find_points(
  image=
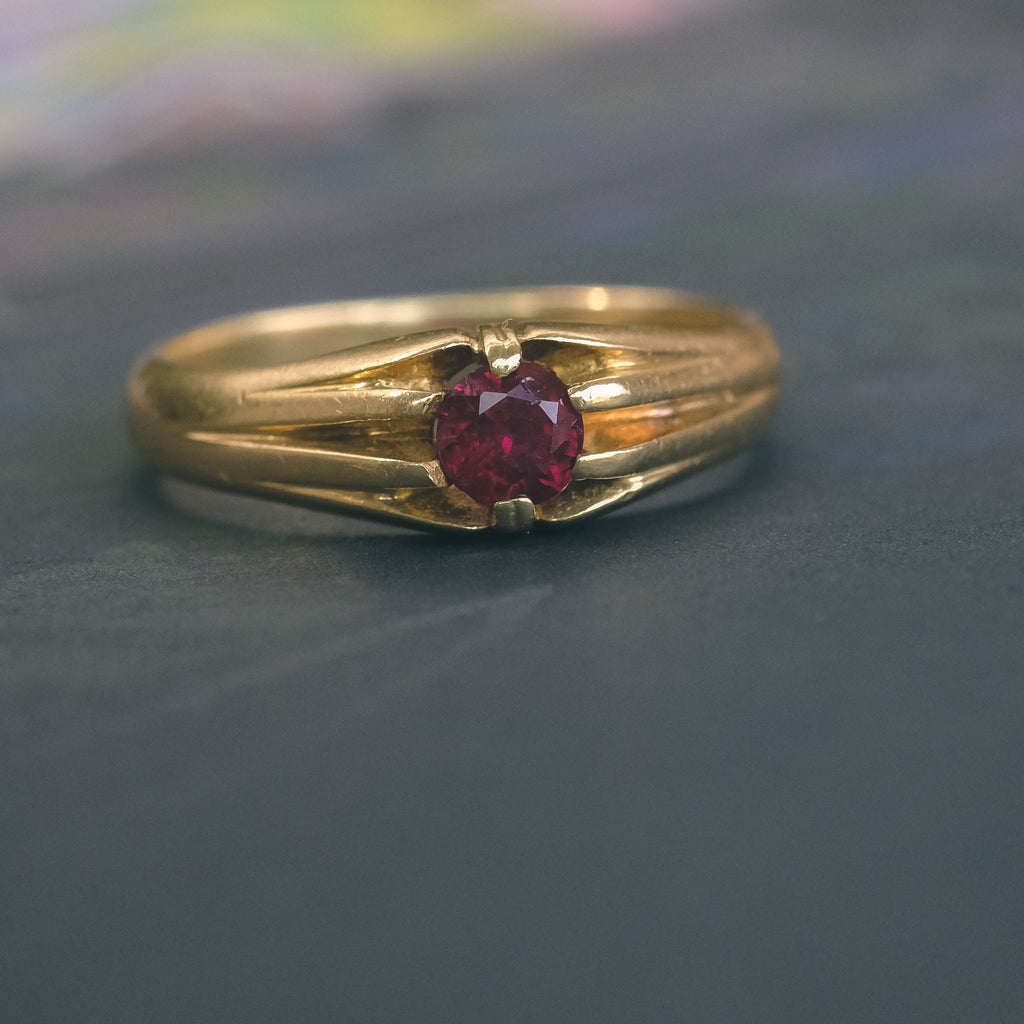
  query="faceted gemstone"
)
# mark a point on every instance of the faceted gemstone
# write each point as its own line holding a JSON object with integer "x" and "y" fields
{"x": 508, "y": 437}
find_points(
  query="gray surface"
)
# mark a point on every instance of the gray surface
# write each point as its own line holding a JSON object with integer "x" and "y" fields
{"x": 755, "y": 756}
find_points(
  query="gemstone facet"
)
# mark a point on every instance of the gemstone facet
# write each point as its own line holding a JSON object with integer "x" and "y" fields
{"x": 508, "y": 437}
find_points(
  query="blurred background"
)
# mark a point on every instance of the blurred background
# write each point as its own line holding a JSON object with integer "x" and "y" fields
{"x": 751, "y": 753}
{"x": 360, "y": 110}
{"x": 559, "y": 130}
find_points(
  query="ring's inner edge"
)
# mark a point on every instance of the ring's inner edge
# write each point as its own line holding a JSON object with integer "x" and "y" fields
{"x": 289, "y": 335}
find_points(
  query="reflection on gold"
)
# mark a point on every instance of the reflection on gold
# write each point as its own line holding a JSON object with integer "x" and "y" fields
{"x": 614, "y": 429}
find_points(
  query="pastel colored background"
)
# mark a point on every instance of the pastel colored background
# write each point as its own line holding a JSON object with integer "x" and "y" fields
{"x": 88, "y": 87}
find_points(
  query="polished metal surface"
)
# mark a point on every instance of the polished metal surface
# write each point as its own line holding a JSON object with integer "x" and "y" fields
{"x": 323, "y": 405}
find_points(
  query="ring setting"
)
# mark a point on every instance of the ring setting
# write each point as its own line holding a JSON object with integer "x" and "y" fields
{"x": 462, "y": 412}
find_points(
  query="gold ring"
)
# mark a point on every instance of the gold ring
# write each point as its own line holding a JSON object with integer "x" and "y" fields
{"x": 461, "y": 412}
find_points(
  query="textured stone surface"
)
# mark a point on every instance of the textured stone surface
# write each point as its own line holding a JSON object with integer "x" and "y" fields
{"x": 510, "y": 437}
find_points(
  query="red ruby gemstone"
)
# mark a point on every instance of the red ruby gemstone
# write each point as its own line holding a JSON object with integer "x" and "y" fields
{"x": 508, "y": 437}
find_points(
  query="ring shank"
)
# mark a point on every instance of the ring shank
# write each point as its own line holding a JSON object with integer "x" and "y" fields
{"x": 297, "y": 333}
{"x": 332, "y": 403}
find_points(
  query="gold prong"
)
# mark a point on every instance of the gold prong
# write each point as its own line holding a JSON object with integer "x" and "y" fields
{"x": 516, "y": 515}
{"x": 501, "y": 347}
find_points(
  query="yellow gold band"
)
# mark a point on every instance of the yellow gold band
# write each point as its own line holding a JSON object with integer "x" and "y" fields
{"x": 334, "y": 405}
